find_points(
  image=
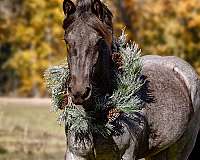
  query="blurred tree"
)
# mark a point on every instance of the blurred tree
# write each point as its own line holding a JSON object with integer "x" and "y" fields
{"x": 166, "y": 27}
{"x": 31, "y": 36}
{"x": 8, "y": 11}
{"x": 34, "y": 31}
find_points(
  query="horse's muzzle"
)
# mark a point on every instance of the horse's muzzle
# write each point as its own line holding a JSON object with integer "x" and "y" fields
{"x": 80, "y": 96}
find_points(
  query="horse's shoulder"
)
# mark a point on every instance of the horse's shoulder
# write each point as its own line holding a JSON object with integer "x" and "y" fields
{"x": 180, "y": 67}
{"x": 172, "y": 104}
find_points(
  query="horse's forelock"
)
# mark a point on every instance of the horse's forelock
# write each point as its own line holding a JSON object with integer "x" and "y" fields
{"x": 91, "y": 6}
{"x": 85, "y": 13}
{"x": 84, "y": 5}
{"x": 105, "y": 31}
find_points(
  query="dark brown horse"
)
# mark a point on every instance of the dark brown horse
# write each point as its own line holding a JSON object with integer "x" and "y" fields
{"x": 167, "y": 126}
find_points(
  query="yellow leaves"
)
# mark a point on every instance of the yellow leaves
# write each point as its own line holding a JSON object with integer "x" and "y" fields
{"x": 44, "y": 49}
{"x": 198, "y": 69}
{"x": 165, "y": 27}
{"x": 24, "y": 35}
{"x": 37, "y": 21}
{"x": 195, "y": 22}
{"x": 186, "y": 6}
{"x": 36, "y": 4}
{"x": 21, "y": 61}
{"x": 35, "y": 36}
{"x": 29, "y": 66}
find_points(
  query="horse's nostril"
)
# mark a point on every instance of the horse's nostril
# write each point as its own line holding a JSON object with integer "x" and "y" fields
{"x": 87, "y": 93}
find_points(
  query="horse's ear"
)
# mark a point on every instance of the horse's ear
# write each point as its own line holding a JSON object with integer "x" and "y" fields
{"x": 97, "y": 8}
{"x": 107, "y": 16}
{"x": 102, "y": 12}
{"x": 68, "y": 7}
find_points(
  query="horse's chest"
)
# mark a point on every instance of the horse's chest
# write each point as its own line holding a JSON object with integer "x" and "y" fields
{"x": 105, "y": 151}
{"x": 111, "y": 148}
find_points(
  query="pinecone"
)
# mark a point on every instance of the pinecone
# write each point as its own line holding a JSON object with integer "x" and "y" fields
{"x": 118, "y": 60}
{"x": 64, "y": 102}
{"x": 113, "y": 114}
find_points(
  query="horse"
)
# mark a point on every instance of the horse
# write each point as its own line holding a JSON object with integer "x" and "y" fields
{"x": 168, "y": 123}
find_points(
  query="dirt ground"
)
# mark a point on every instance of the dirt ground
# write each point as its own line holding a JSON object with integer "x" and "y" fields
{"x": 28, "y": 102}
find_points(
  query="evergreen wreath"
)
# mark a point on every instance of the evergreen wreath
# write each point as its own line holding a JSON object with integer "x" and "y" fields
{"x": 124, "y": 98}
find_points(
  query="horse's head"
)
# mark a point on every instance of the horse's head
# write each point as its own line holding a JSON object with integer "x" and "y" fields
{"x": 88, "y": 34}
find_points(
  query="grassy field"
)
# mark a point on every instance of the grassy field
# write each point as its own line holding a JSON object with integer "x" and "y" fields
{"x": 30, "y": 132}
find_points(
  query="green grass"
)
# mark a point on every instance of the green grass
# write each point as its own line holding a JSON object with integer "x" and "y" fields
{"x": 30, "y": 133}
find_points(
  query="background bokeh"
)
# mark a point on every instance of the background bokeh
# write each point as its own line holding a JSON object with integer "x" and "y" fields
{"x": 31, "y": 36}
{"x": 31, "y": 39}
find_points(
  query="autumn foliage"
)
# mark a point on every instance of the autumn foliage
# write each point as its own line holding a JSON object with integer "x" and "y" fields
{"x": 166, "y": 27}
{"x": 31, "y": 36}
